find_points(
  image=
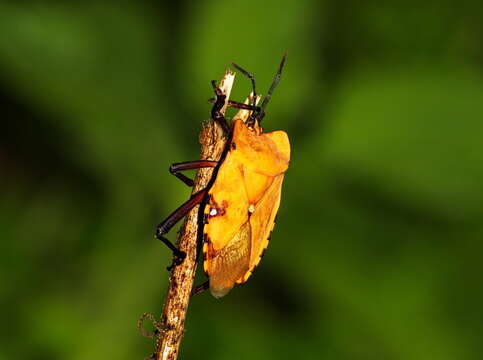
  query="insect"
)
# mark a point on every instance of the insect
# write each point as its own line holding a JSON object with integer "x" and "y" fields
{"x": 243, "y": 197}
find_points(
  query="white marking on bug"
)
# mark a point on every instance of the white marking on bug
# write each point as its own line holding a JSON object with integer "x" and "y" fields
{"x": 251, "y": 208}
{"x": 213, "y": 212}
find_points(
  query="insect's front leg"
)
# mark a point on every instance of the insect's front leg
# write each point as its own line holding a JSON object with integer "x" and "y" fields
{"x": 189, "y": 165}
{"x": 216, "y": 113}
{"x": 166, "y": 225}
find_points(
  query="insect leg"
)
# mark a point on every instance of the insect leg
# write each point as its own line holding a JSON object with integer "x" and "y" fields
{"x": 216, "y": 113}
{"x": 199, "y": 289}
{"x": 166, "y": 225}
{"x": 188, "y": 165}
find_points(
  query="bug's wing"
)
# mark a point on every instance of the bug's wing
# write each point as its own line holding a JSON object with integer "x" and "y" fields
{"x": 242, "y": 205}
{"x": 227, "y": 230}
{"x": 228, "y": 201}
{"x": 262, "y": 222}
{"x": 230, "y": 263}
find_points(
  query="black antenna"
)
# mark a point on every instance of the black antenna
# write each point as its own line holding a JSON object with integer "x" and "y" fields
{"x": 259, "y": 112}
{"x": 252, "y": 78}
{"x": 275, "y": 82}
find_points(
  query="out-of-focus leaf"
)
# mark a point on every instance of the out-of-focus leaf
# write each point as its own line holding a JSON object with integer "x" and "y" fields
{"x": 414, "y": 134}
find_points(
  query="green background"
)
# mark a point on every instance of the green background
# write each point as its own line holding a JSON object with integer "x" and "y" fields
{"x": 377, "y": 252}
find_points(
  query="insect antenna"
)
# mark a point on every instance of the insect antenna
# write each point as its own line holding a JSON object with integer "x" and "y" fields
{"x": 275, "y": 82}
{"x": 259, "y": 112}
{"x": 255, "y": 112}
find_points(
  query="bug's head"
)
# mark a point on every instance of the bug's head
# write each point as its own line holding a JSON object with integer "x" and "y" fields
{"x": 256, "y": 117}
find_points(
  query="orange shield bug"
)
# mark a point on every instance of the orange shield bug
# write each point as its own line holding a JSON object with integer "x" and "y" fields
{"x": 243, "y": 197}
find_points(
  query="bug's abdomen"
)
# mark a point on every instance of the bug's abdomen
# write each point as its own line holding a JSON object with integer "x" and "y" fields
{"x": 230, "y": 263}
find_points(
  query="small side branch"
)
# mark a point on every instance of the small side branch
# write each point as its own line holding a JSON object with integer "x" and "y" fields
{"x": 181, "y": 280}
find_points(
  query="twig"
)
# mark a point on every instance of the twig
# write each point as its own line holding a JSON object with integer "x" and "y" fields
{"x": 182, "y": 276}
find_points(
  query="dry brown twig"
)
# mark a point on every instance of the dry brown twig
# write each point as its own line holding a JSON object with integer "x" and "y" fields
{"x": 171, "y": 325}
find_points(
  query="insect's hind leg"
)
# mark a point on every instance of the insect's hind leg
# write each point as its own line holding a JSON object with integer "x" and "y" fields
{"x": 166, "y": 225}
{"x": 201, "y": 288}
{"x": 189, "y": 165}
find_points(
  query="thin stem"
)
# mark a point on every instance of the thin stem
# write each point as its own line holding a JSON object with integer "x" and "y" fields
{"x": 181, "y": 280}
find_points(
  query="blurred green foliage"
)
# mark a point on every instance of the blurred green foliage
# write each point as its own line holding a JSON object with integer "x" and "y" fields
{"x": 377, "y": 253}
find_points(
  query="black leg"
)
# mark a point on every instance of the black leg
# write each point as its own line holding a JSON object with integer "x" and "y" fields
{"x": 166, "y": 225}
{"x": 199, "y": 289}
{"x": 189, "y": 165}
{"x": 216, "y": 114}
